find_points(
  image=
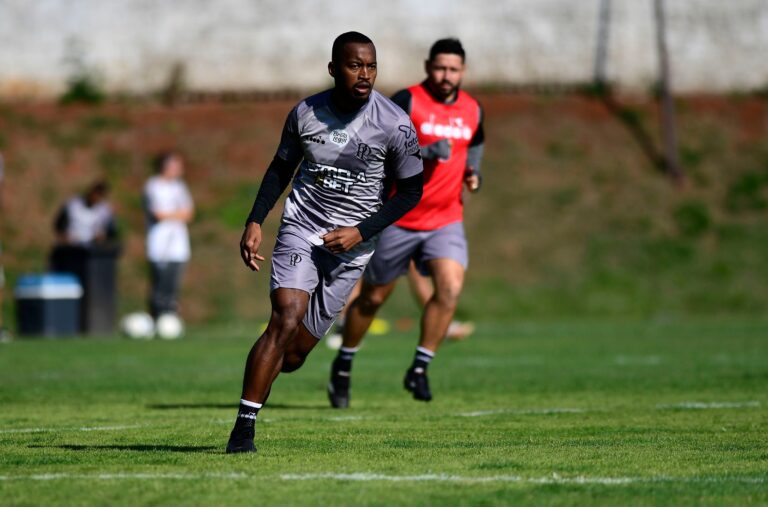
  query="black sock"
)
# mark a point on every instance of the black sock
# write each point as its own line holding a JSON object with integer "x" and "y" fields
{"x": 343, "y": 362}
{"x": 246, "y": 416}
{"x": 342, "y": 366}
{"x": 422, "y": 359}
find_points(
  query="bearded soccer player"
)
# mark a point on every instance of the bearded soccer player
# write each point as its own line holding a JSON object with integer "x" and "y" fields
{"x": 449, "y": 126}
{"x": 347, "y": 141}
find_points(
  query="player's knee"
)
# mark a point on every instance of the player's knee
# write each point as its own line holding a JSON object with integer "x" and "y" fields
{"x": 448, "y": 294}
{"x": 289, "y": 325}
{"x": 285, "y": 323}
{"x": 280, "y": 332}
{"x": 369, "y": 304}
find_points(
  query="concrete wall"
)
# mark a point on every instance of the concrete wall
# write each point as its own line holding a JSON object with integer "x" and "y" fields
{"x": 267, "y": 45}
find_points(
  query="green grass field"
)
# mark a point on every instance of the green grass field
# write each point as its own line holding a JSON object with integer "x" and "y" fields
{"x": 586, "y": 412}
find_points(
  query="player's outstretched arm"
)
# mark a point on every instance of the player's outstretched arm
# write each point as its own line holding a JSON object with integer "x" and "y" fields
{"x": 275, "y": 181}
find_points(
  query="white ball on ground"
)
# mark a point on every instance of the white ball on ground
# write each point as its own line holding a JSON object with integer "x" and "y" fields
{"x": 138, "y": 325}
{"x": 169, "y": 326}
{"x": 333, "y": 341}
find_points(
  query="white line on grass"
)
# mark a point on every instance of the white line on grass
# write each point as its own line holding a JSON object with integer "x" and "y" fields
{"x": 85, "y": 428}
{"x": 373, "y": 477}
{"x": 698, "y": 405}
{"x": 122, "y": 476}
{"x": 110, "y": 428}
{"x": 530, "y": 411}
{"x": 553, "y": 479}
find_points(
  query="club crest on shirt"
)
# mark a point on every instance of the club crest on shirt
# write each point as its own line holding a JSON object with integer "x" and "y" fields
{"x": 339, "y": 137}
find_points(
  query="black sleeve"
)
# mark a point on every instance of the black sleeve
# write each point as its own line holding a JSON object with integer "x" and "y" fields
{"x": 407, "y": 196}
{"x": 275, "y": 181}
{"x": 476, "y": 146}
{"x": 403, "y": 99}
{"x": 479, "y": 137}
{"x": 61, "y": 223}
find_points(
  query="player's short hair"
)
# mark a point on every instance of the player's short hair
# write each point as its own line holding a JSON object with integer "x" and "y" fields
{"x": 98, "y": 187}
{"x": 450, "y": 46}
{"x": 161, "y": 159}
{"x": 344, "y": 39}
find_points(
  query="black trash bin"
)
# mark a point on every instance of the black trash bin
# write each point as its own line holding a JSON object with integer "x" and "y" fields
{"x": 96, "y": 268}
{"x": 48, "y": 305}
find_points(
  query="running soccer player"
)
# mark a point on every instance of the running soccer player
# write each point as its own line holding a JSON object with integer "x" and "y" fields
{"x": 349, "y": 140}
{"x": 450, "y": 131}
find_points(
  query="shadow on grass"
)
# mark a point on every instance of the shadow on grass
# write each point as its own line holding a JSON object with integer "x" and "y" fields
{"x": 232, "y": 406}
{"x": 131, "y": 447}
{"x": 633, "y": 123}
{"x": 632, "y": 120}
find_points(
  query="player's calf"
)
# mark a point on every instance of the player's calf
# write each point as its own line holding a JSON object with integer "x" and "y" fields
{"x": 292, "y": 362}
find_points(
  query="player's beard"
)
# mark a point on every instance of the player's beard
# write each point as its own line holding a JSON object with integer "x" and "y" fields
{"x": 447, "y": 90}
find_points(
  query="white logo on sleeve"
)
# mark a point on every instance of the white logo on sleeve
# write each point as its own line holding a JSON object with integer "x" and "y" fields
{"x": 339, "y": 137}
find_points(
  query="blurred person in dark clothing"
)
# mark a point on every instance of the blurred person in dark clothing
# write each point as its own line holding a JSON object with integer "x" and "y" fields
{"x": 86, "y": 219}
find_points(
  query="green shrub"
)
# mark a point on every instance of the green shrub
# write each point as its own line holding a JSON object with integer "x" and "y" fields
{"x": 83, "y": 89}
{"x": 747, "y": 193}
{"x": 692, "y": 219}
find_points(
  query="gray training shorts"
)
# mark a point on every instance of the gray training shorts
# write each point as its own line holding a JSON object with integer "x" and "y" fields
{"x": 298, "y": 264}
{"x": 397, "y": 246}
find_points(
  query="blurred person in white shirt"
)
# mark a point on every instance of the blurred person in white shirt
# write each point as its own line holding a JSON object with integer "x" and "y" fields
{"x": 169, "y": 208}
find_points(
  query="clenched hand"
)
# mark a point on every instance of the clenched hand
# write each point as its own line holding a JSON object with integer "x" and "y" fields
{"x": 342, "y": 239}
{"x": 472, "y": 180}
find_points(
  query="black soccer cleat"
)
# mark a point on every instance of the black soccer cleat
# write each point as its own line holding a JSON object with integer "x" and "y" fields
{"x": 418, "y": 384}
{"x": 241, "y": 440}
{"x": 338, "y": 389}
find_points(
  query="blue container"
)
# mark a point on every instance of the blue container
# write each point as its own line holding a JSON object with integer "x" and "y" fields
{"x": 48, "y": 304}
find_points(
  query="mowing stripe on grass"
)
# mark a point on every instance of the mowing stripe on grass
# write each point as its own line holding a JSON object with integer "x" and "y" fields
{"x": 698, "y": 405}
{"x": 373, "y": 477}
{"x": 86, "y": 428}
{"x": 637, "y": 360}
{"x": 530, "y": 411}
